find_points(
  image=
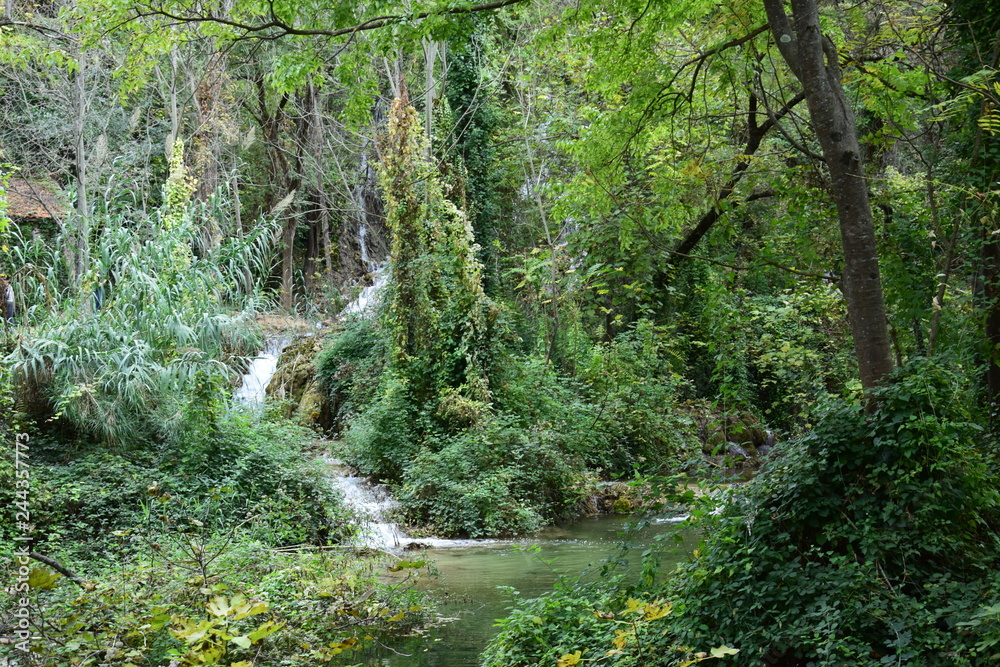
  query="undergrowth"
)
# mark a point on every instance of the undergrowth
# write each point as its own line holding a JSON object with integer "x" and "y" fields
{"x": 461, "y": 466}
{"x": 870, "y": 540}
{"x": 239, "y": 472}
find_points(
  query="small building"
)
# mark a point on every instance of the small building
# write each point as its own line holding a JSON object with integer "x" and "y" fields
{"x": 36, "y": 203}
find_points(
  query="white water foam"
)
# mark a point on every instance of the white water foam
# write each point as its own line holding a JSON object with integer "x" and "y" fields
{"x": 253, "y": 391}
{"x": 368, "y": 297}
{"x": 373, "y": 504}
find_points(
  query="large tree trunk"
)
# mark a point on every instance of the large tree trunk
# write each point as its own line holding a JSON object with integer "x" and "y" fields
{"x": 284, "y": 183}
{"x": 813, "y": 59}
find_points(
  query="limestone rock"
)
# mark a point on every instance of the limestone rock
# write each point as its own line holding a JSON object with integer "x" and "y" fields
{"x": 295, "y": 383}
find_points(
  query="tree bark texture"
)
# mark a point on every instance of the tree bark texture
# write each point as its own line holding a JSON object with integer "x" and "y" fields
{"x": 812, "y": 57}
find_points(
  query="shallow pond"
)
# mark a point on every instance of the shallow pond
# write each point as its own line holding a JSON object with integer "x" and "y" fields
{"x": 473, "y": 579}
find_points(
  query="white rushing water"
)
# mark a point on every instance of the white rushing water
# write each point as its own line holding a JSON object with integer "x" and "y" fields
{"x": 253, "y": 390}
{"x": 374, "y": 506}
{"x": 368, "y": 297}
{"x": 378, "y": 271}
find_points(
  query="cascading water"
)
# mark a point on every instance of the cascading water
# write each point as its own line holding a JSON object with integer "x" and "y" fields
{"x": 366, "y": 217}
{"x": 362, "y": 236}
{"x": 369, "y": 294}
{"x": 372, "y": 503}
{"x": 253, "y": 390}
{"x": 374, "y": 506}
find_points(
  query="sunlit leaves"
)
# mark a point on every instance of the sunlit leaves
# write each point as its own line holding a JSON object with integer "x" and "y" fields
{"x": 39, "y": 577}
{"x": 569, "y": 659}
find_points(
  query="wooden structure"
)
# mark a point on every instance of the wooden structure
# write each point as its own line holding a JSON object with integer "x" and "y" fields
{"x": 35, "y": 201}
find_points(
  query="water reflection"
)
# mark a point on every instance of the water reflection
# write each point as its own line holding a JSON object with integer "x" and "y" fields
{"x": 476, "y": 581}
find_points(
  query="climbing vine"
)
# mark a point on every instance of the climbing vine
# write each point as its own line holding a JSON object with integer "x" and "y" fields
{"x": 438, "y": 317}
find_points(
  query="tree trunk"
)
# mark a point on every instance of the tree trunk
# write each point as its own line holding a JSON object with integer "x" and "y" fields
{"x": 287, "y": 257}
{"x": 813, "y": 59}
{"x": 78, "y": 263}
{"x": 283, "y": 182}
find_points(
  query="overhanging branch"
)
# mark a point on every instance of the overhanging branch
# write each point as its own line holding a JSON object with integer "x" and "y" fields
{"x": 276, "y": 28}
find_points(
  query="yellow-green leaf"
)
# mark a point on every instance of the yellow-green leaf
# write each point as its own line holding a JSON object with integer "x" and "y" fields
{"x": 41, "y": 578}
{"x": 569, "y": 659}
{"x": 266, "y": 629}
{"x": 722, "y": 651}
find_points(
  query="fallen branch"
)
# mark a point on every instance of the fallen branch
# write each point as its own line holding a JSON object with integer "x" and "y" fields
{"x": 66, "y": 572}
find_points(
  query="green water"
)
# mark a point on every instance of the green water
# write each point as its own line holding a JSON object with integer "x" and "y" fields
{"x": 471, "y": 579}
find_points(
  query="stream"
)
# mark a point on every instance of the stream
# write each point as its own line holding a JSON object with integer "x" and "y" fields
{"x": 476, "y": 580}
{"x": 477, "y": 583}
{"x": 253, "y": 388}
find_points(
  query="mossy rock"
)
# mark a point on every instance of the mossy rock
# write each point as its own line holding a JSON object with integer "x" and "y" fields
{"x": 741, "y": 429}
{"x": 313, "y": 408}
{"x": 622, "y": 506}
{"x": 295, "y": 383}
{"x": 620, "y": 498}
{"x": 295, "y": 369}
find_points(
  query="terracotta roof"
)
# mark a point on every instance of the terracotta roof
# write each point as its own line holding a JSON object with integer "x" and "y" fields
{"x": 34, "y": 199}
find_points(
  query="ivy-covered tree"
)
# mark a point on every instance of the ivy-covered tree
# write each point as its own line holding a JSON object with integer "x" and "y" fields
{"x": 438, "y": 316}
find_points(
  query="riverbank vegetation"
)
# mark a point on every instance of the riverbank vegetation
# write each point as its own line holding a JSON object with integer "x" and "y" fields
{"x": 548, "y": 245}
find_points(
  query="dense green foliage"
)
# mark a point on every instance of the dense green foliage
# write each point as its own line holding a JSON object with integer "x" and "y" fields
{"x": 200, "y": 598}
{"x": 527, "y": 457}
{"x": 240, "y": 471}
{"x": 613, "y": 236}
{"x": 870, "y": 540}
{"x": 167, "y": 324}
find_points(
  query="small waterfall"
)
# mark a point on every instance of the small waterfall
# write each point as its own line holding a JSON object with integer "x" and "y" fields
{"x": 365, "y": 259}
{"x": 367, "y": 225}
{"x": 379, "y": 274}
{"x": 253, "y": 390}
{"x": 373, "y": 504}
{"x": 369, "y": 294}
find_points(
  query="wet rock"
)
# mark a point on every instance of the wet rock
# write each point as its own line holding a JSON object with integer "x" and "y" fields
{"x": 739, "y": 434}
{"x": 617, "y": 498}
{"x": 295, "y": 382}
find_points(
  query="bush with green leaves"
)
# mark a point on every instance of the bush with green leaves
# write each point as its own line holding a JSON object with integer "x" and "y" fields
{"x": 779, "y": 353}
{"x": 566, "y": 619}
{"x": 634, "y": 383}
{"x": 242, "y": 472}
{"x": 866, "y": 542}
{"x": 191, "y": 595}
{"x": 350, "y": 367}
{"x": 174, "y": 312}
{"x": 497, "y": 477}
{"x": 516, "y": 463}
{"x": 873, "y": 539}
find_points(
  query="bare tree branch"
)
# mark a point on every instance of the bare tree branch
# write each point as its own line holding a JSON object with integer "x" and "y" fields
{"x": 45, "y": 31}
{"x": 757, "y": 133}
{"x": 275, "y": 28}
{"x": 69, "y": 574}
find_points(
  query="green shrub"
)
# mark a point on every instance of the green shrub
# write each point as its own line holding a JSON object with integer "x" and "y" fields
{"x": 350, "y": 367}
{"x": 873, "y": 539}
{"x": 633, "y": 384}
{"x": 169, "y": 319}
{"x": 562, "y": 621}
{"x": 778, "y": 354}
{"x": 199, "y": 597}
{"x": 867, "y": 542}
{"x": 243, "y": 471}
{"x": 383, "y": 439}
{"x": 466, "y": 467}
{"x": 493, "y": 479}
